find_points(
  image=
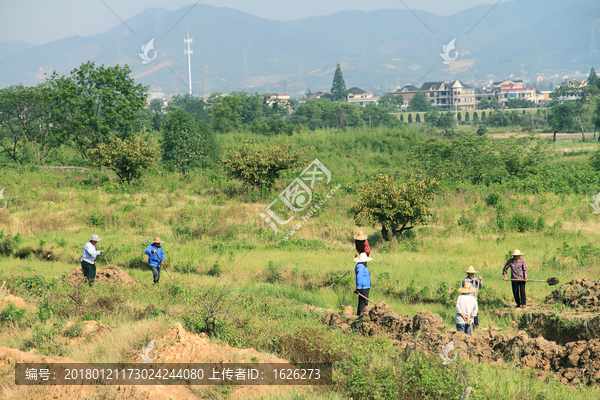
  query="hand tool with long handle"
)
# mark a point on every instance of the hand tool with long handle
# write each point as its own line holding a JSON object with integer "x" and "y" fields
{"x": 366, "y": 298}
{"x": 549, "y": 281}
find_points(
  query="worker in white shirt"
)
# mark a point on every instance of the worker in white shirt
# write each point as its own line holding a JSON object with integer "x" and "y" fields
{"x": 466, "y": 309}
{"x": 88, "y": 260}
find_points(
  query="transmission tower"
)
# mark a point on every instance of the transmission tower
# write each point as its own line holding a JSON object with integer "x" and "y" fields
{"x": 206, "y": 82}
{"x": 189, "y": 54}
{"x": 245, "y": 72}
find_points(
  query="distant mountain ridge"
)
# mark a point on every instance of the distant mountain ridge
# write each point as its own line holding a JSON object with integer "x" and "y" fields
{"x": 523, "y": 38}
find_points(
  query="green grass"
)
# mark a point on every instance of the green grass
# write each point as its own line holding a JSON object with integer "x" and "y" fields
{"x": 207, "y": 220}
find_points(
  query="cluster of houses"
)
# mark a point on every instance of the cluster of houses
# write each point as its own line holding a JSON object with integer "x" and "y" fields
{"x": 450, "y": 95}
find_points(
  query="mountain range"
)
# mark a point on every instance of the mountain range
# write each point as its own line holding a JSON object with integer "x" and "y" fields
{"x": 378, "y": 50}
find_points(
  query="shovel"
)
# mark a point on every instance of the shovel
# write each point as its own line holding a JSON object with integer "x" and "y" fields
{"x": 550, "y": 281}
{"x": 366, "y": 298}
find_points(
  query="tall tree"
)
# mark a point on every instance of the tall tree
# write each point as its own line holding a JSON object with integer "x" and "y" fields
{"x": 95, "y": 103}
{"x": 419, "y": 102}
{"x": 338, "y": 88}
{"x": 592, "y": 78}
{"x": 561, "y": 118}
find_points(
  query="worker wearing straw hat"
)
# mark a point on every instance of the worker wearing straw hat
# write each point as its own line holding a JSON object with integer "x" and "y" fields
{"x": 363, "y": 281}
{"x": 362, "y": 244}
{"x": 518, "y": 270}
{"x": 466, "y": 309}
{"x": 88, "y": 259}
{"x": 477, "y": 283}
{"x": 156, "y": 258}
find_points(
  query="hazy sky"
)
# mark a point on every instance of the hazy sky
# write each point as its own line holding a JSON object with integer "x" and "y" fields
{"x": 41, "y": 21}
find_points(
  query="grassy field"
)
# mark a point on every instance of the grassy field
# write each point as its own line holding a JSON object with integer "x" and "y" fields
{"x": 216, "y": 243}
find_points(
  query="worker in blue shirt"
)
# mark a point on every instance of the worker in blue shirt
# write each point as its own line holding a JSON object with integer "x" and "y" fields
{"x": 363, "y": 280}
{"x": 156, "y": 258}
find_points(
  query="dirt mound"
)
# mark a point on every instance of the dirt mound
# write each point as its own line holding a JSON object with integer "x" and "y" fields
{"x": 17, "y": 301}
{"x": 561, "y": 328}
{"x": 79, "y": 332}
{"x": 179, "y": 346}
{"x": 579, "y": 293}
{"x": 110, "y": 274}
{"x": 572, "y": 363}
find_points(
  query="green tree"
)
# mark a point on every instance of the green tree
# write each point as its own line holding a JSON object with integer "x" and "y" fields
{"x": 157, "y": 113}
{"x": 391, "y": 101}
{"x": 28, "y": 129}
{"x": 258, "y": 166}
{"x": 593, "y": 78}
{"x": 226, "y": 115}
{"x": 410, "y": 118}
{"x": 95, "y": 103}
{"x": 578, "y": 97}
{"x": 446, "y": 121}
{"x": 186, "y": 144}
{"x": 561, "y": 118}
{"x": 459, "y": 116}
{"x": 475, "y": 116}
{"x": 484, "y": 104}
{"x": 128, "y": 158}
{"x": 419, "y": 103}
{"x": 418, "y": 118}
{"x": 494, "y": 104}
{"x": 338, "y": 88}
{"x": 467, "y": 117}
{"x": 394, "y": 206}
{"x": 432, "y": 117}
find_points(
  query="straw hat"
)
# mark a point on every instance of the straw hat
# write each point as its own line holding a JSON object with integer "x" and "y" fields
{"x": 470, "y": 270}
{"x": 360, "y": 236}
{"x": 362, "y": 257}
{"x": 157, "y": 240}
{"x": 467, "y": 288}
{"x": 517, "y": 252}
{"x": 95, "y": 238}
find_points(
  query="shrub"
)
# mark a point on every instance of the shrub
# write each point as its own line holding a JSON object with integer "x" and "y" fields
{"x": 74, "y": 330}
{"x": 128, "y": 158}
{"x": 307, "y": 345}
{"x": 273, "y": 274}
{"x": 12, "y": 314}
{"x": 24, "y": 252}
{"x": 215, "y": 270}
{"x": 522, "y": 223}
{"x": 425, "y": 378}
{"x": 493, "y": 199}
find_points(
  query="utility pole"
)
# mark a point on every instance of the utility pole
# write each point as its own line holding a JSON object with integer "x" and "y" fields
{"x": 245, "y": 72}
{"x": 189, "y": 53}
{"x": 206, "y": 81}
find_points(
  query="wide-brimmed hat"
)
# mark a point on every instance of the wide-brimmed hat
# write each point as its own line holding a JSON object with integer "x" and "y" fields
{"x": 467, "y": 288}
{"x": 157, "y": 240}
{"x": 95, "y": 238}
{"x": 362, "y": 257}
{"x": 517, "y": 252}
{"x": 470, "y": 270}
{"x": 360, "y": 236}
